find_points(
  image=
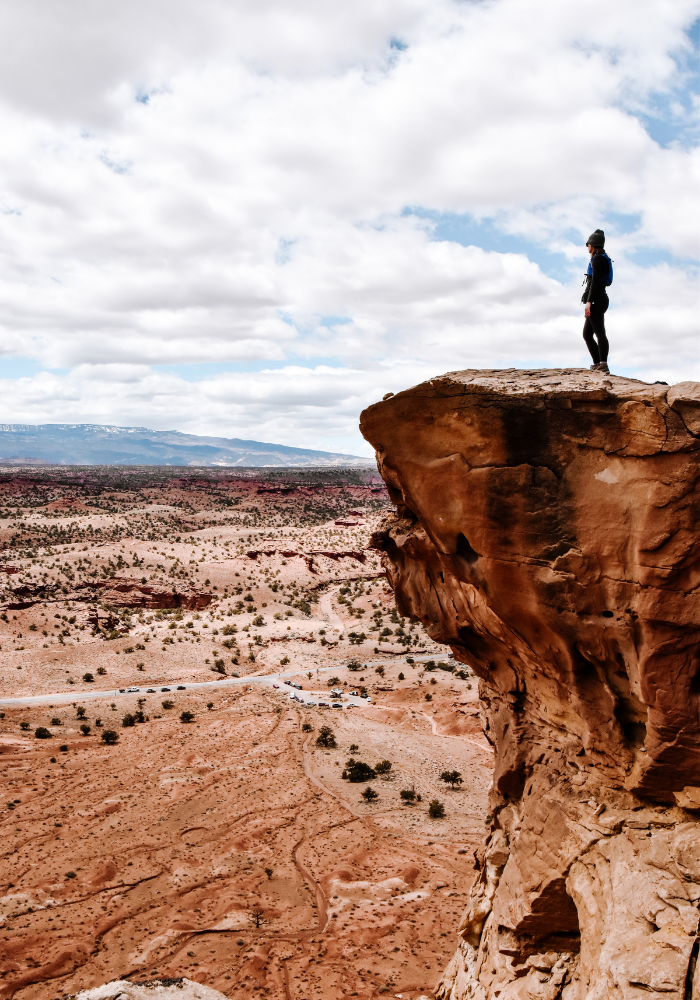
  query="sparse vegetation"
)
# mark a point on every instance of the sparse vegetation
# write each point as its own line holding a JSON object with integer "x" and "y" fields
{"x": 257, "y": 916}
{"x": 326, "y": 738}
{"x": 168, "y": 703}
{"x": 186, "y": 716}
{"x": 369, "y": 794}
{"x": 383, "y": 767}
{"x": 436, "y": 809}
{"x": 307, "y": 728}
{"x": 109, "y": 736}
{"x": 452, "y": 778}
{"x": 42, "y": 733}
{"x": 357, "y": 771}
{"x": 85, "y": 729}
{"x": 408, "y": 795}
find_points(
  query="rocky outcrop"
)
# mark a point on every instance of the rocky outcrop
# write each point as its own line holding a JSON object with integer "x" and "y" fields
{"x": 155, "y": 989}
{"x": 123, "y": 592}
{"x": 547, "y": 530}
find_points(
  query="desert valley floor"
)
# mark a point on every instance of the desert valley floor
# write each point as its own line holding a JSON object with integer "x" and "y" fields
{"x": 217, "y": 839}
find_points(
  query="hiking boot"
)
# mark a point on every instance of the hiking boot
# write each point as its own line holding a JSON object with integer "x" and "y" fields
{"x": 593, "y": 368}
{"x": 603, "y": 367}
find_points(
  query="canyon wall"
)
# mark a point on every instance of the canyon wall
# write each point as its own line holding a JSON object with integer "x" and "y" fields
{"x": 547, "y": 531}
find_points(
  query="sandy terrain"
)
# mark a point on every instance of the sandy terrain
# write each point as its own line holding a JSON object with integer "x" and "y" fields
{"x": 153, "y": 856}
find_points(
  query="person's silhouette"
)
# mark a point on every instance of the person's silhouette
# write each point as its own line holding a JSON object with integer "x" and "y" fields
{"x": 595, "y": 297}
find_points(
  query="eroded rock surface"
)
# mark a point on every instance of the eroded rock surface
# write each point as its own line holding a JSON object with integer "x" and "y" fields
{"x": 123, "y": 592}
{"x": 547, "y": 530}
{"x": 156, "y": 989}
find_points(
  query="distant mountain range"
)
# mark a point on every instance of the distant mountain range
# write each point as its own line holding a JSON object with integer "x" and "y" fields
{"x": 98, "y": 444}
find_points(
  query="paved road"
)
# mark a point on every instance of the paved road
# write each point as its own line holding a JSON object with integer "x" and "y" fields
{"x": 266, "y": 679}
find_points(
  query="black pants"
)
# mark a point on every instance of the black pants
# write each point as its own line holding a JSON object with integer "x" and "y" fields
{"x": 594, "y": 331}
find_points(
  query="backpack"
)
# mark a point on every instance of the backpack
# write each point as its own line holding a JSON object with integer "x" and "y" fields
{"x": 610, "y": 269}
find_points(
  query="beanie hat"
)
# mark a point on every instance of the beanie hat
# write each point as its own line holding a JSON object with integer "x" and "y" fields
{"x": 596, "y": 239}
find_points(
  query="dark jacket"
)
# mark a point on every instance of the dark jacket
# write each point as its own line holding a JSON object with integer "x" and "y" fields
{"x": 597, "y": 279}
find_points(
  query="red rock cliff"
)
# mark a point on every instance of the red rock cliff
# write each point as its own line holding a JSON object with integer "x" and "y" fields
{"x": 547, "y": 530}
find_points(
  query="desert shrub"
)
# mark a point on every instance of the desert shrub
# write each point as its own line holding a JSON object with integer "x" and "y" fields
{"x": 354, "y": 664}
{"x": 80, "y": 712}
{"x": 229, "y": 630}
{"x": 56, "y": 722}
{"x": 128, "y": 720}
{"x": 63, "y": 748}
{"x": 326, "y": 738}
{"x": 428, "y": 697}
{"x": 409, "y": 659}
{"x": 24, "y": 726}
{"x": 369, "y": 794}
{"x": 379, "y": 670}
{"x": 218, "y": 667}
{"x": 408, "y": 795}
{"x": 85, "y": 729}
{"x": 101, "y": 671}
{"x": 88, "y": 678}
{"x": 357, "y": 771}
{"x": 109, "y": 737}
{"x": 333, "y": 682}
{"x": 98, "y": 722}
{"x": 210, "y": 705}
{"x": 284, "y": 661}
{"x": 354, "y": 748}
{"x": 401, "y": 677}
{"x": 383, "y": 767}
{"x": 307, "y": 728}
{"x": 42, "y": 733}
{"x": 430, "y": 665}
{"x": 258, "y": 621}
{"x": 452, "y": 778}
{"x": 436, "y": 809}
{"x": 186, "y": 716}
{"x": 168, "y": 704}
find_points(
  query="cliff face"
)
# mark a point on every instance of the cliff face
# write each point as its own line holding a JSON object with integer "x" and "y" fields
{"x": 547, "y": 530}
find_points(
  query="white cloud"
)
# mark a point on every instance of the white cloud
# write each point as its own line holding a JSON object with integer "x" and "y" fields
{"x": 204, "y": 183}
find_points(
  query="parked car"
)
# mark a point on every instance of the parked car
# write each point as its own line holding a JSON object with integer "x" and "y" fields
{"x": 275, "y": 685}
{"x": 312, "y": 703}
{"x": 354, "y": 694}
{"x": 336, "y": 704}
{"x": 165, "y": 689}
{"x": 323, "y": 704}
{"x": 150, "y": 690}
{"x": 133, "y": 690}
{"x": 180, "y": 687}
{"x": 364, "y": 695}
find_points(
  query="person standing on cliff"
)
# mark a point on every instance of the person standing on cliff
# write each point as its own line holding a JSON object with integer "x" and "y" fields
{"x": 595, "y": 298}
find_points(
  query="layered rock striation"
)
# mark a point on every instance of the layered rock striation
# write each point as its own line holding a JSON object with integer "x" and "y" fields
{"x": 547, "y": 530}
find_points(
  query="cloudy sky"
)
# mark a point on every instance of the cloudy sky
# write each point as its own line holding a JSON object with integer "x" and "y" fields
{"x": 251, "y": 218}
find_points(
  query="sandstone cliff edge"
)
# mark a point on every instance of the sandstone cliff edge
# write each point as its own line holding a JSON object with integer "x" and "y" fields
{"x": 547, "y": 531}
